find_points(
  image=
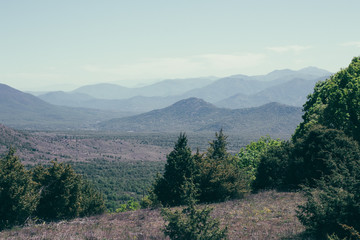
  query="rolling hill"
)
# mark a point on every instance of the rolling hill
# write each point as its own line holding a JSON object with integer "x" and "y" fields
{"x": 196, "y": 115}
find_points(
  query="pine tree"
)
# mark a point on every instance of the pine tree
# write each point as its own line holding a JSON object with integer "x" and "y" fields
{"x": 60, "y": 189}
{"x": 219, "y": 177}
{"x": 179, "y": 166}
{"x": 18, "y": 197}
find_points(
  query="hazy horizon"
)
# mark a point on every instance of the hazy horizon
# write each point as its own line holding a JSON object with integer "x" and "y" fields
{"x": 48, "y": 45}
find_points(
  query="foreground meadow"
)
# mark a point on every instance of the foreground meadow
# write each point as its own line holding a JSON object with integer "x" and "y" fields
{"x": 266, "y": 215}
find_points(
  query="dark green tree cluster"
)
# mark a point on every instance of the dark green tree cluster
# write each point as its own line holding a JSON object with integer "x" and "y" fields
{"x": 319, "y": 153}
{"x": 52, "y": 193}
{"x": 18, "y": 197}
{"x": 219, "y": 177}
{"x": 215, "y": 174}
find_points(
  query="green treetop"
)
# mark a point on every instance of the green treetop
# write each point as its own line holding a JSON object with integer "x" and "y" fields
{"x": 335, "y": 103}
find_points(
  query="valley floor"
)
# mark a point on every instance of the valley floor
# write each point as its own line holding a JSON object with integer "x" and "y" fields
{"x": 266, "y": 215}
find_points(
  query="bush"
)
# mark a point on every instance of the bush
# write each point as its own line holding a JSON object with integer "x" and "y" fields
{"x": 335, "y": 200}
{"x": 330, "y": 206}
{"x": 191, "y": 222}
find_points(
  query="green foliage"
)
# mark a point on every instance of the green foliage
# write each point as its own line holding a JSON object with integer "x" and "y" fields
{"x": 60, "y": 192}
{"x": 335, "y": 103}
{"x": 192, "y": 222}
{"x": 335, "y": 200}
{"x": 219, "y": 177}
{"x": 179, "y": 166}
{"x": 273, "y": 167}
{"x": 215, "y": 175}
{"x": 249, "y": 157}
{"x": 18, "y": 198}
{"x": 120, "y": 181}
{"x": 332, "y": 204}
{"x": 130, "y": 205}
{"x": 318, "y": 153}
{"x": 63, "y": 193}
{"x": 92, "y": 201}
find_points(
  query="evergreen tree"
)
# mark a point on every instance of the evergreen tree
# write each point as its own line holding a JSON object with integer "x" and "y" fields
{"x": 60, "y": 192}
{"x": 64, "y": 194}
{"x": 92, "y": 201}
{"x": 179, "y": 166}
{"x": 18, "y": 197}
{"x": 219, "y": 176}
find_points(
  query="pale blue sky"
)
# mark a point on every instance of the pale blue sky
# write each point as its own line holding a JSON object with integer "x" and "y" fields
{"x": 47, "y": 44}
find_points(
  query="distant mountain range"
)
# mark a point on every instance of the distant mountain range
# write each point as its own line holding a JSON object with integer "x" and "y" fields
{"x": 256, "y": 105}
{"x": 196, "y": 115}
{"x": 238, "y": 91}
{"x": 23, "y": 110}
{"x": 161, "y": 89}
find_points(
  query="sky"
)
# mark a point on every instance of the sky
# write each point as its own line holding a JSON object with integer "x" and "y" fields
{"x": 60, "y": 45}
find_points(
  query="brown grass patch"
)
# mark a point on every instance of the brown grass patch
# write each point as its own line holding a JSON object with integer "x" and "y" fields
{"x": 266, "y": 215}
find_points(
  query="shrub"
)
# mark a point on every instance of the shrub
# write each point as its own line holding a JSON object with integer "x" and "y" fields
{"x": 335, "y": 202}
{"x": 192, "y": 222}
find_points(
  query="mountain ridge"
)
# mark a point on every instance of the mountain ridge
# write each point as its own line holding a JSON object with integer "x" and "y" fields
{"x": 197, "y": 115}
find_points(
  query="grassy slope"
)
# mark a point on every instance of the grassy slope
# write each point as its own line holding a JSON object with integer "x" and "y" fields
{"x": 267, "y": 215}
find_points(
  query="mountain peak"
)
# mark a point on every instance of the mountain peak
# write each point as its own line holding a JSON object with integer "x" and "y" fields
{"x": 192, "y": 104}
{"x": 315, "y": 71}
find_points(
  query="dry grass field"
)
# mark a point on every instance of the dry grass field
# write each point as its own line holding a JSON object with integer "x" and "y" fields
{"x": 266, "y": 215}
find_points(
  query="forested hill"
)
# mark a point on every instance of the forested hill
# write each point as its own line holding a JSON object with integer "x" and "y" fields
{"x": 195, "y": 114}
